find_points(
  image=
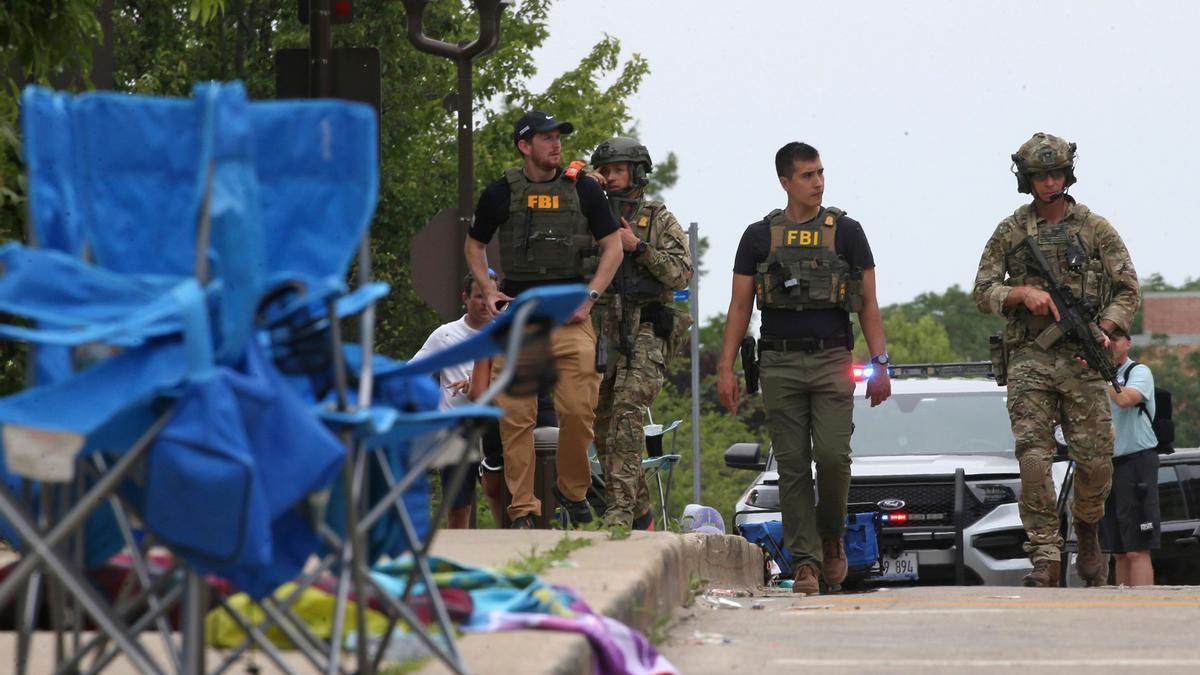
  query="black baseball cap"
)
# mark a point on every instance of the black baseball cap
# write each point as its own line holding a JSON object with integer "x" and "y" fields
{"x": 536, "y": 121}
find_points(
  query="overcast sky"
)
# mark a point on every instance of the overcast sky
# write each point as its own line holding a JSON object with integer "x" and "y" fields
{"x": 915, "y": 107}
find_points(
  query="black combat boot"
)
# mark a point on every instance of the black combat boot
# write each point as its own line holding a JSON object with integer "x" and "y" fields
{"x": 1044, "y": 575}
{"x": 578, "y": 513}
{"x": 1091, "y": 562}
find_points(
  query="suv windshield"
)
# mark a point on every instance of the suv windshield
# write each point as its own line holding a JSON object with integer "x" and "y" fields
{"x": 933, "y": 424}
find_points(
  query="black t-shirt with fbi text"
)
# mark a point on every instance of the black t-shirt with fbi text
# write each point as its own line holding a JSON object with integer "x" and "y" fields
{"x": 786, "y": 324}
{"x": 492, "y": 211}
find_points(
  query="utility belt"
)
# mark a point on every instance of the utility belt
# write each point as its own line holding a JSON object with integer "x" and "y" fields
{"x": 806, "y": 345}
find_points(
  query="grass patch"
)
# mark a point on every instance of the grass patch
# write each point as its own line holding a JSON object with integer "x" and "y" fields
{"x": 536, "y": 562}
{"x": 617, "y": 533}
{"x": 696, "y": 586}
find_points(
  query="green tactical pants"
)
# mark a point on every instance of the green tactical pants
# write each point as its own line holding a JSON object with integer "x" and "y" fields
{"x": 810, "y": 406}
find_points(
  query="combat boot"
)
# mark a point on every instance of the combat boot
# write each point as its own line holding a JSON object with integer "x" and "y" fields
{"x": 1091, "y": 562}
{"x": 806, "y": 581}
{"x": 833, "y": 561}
{"x": 1044, "y": 575}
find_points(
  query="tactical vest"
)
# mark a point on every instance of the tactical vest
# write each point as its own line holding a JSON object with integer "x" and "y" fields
{"x": 803, "y": 270}
{"x": 639, "y": 284}
{"x": 1088, "y": 279}
{"x": 546, "y": 235}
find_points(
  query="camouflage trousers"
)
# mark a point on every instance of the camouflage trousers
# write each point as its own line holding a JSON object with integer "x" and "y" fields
{"x": 1044, "y": 387}
{"x": 629, "y": 386}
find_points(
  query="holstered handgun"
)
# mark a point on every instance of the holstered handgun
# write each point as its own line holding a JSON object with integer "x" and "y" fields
{"x": 750, "y": 364}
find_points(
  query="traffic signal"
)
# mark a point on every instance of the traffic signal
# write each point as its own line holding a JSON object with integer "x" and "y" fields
{"x": 340, "y": 11}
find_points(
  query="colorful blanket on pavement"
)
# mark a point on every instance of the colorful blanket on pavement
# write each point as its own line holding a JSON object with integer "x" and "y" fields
{"x": 506, "y": 600}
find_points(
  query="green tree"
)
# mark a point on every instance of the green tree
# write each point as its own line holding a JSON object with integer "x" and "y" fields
{"x": 163, "y": 47}
{"x": 923, "y": 340}
{"x": 967, "y": 328}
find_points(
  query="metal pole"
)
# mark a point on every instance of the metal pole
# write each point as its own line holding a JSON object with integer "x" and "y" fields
{"x": 462, "y": 55}
{"x": 195, "y": 608}
{"x": 320, "y": 50}
{"x": 694, "y": 301}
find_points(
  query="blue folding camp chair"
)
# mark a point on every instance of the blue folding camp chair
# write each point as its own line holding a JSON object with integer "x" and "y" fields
{"x": 157, "y": 313}
{"x": 123, "y": 182}
{"x": 193, "y": 250}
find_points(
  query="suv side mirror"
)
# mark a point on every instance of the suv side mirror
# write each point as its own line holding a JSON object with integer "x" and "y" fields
{"x": 745, "y": 456}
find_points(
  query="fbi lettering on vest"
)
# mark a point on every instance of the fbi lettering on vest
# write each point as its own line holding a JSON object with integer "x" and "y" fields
{"x": 803, "y": 238}
{"x": 543, "y": 201}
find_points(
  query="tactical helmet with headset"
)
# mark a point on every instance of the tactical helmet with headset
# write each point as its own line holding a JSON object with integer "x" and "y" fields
{"x": 622, "y": 149}
{"x": 1043, "y": 152}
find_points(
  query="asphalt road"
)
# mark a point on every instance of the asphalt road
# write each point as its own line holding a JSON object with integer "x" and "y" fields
{"x": 942, "y": 630}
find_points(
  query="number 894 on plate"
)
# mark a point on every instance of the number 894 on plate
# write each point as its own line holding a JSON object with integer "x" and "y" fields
{"x": 899, "y": 567}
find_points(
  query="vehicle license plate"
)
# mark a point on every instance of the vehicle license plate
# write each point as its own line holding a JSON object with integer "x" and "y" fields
{"x": 900, "y": 567}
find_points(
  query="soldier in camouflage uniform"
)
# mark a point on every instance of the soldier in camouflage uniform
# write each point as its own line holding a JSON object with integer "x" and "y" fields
{"x": 643, "y": 330}
{"x": 1045, "y": 380}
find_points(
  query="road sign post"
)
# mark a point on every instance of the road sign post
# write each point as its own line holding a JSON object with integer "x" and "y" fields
{"x": 461, "y": 101}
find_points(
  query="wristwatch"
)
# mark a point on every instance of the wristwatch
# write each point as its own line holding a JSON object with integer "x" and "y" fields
{"x": 639, "y": 249}
{"x": 593, "y": 294}
{"x": 881, "y": 360}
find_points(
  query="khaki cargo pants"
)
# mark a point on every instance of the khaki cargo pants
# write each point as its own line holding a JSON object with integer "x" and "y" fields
{"x": 575, "y": 393}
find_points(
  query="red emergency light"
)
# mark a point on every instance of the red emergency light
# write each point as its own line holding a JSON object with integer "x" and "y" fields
{"x": 895, "y": 518}
{"x": 863, "y": 372}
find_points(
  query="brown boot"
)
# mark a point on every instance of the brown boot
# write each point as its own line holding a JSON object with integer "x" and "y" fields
{"x": 806, "y": 580}
{"x": 1044, "y": 575}
{"x": 833, "y": 561}
{"x": 1090, "y": 561}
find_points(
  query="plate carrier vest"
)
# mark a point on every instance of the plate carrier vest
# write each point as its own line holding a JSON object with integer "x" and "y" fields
{"x": 803, "y": 270}
{"x": 546, "y": 235}
{"x": 1090, "y": 281}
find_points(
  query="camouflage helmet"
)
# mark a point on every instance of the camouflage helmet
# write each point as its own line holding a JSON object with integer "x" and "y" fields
{"x": 622, "y": 149}
{"x": 1043, "y": 152}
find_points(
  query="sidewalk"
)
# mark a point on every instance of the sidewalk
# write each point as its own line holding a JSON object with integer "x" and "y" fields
{"x": 641, "y": 581}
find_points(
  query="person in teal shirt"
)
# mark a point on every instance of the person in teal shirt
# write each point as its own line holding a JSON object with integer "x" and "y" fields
{"x": 1131, "y": 525}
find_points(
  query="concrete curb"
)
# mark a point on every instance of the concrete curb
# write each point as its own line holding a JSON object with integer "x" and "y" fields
{"x": 639, "y": 581}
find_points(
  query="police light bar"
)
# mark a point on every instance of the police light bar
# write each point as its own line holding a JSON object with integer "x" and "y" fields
{"x": 967, "y": 369}
{"x": 862, "y": 373}
{"x": 894, "y": 518}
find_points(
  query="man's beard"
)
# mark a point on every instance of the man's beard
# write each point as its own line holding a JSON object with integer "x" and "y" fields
{"x": 545, "y": 163}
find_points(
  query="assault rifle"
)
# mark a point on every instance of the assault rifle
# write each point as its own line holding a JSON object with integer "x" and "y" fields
{"x": 1073, "y": 315}
{"x": 627, "y": 338}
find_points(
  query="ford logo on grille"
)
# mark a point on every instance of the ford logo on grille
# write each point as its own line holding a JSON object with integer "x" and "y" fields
{"x": 890, "y": 504}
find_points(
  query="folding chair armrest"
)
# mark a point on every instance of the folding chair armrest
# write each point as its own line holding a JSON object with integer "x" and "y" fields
{"x": 552, "y": 304}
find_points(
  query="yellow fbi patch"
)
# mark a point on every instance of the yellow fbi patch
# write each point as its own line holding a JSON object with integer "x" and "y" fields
{"x": 802, "y": 238}
{"x": 542, "y": 202}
